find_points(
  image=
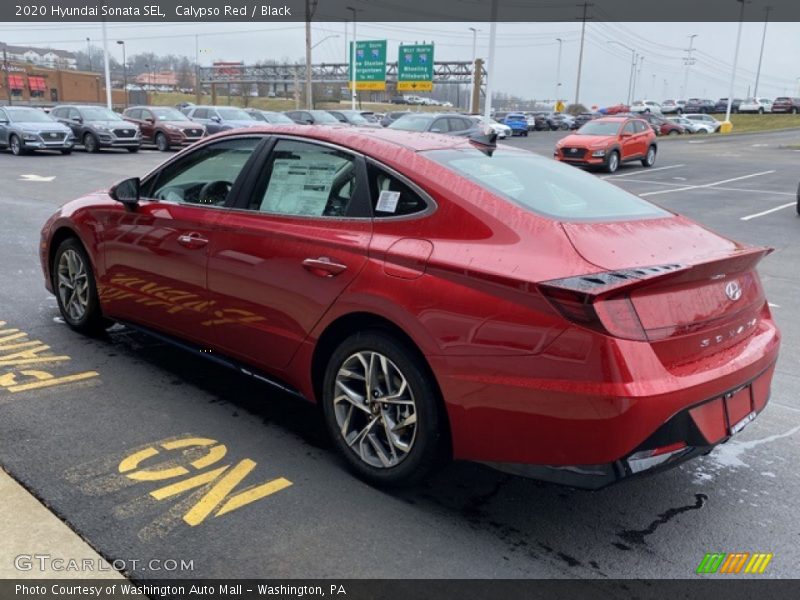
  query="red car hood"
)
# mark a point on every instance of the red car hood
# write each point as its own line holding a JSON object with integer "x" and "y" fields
{"x": 585, "y": 141}
{"x": 648, "y": 242}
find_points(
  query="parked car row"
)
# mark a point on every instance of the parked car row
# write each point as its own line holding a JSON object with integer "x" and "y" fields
{"x": 761, "y": 105}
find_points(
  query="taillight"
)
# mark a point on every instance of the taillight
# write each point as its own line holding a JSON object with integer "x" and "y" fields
{"x": 614, "y": 316}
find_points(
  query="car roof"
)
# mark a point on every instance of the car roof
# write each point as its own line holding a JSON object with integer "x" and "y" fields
{"x": 375, "y": 141}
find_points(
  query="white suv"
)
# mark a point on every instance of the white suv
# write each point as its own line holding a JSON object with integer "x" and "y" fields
{"x": 756, "y": 105}
{"x": 646, "y": 106}
{"x": 703, "y": 123}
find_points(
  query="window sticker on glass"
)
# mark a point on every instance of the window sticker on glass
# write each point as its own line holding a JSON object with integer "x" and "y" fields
{"x": 300, "y": 187}
{"x": 387, "y": 201}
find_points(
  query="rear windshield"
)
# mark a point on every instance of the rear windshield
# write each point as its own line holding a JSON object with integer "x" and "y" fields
{"x": 545, "y": 186}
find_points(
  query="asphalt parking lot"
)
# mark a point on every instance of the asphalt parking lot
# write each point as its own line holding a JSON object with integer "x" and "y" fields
{"x": 73, "y": 433}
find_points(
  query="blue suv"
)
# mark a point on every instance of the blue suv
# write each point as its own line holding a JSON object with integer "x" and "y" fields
{"x": 518, "y": 123}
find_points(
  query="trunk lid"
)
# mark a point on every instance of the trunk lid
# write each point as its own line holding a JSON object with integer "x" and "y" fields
{"x": 694, "y": 292}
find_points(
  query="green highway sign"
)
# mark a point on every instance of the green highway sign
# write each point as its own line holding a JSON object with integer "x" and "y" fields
{"x": 370, "y": 65}
{"x": 415, "y": 68}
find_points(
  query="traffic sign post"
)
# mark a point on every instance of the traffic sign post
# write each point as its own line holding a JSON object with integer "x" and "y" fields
{"x": 415, "y": 68}
{"x": 370, "y": 65}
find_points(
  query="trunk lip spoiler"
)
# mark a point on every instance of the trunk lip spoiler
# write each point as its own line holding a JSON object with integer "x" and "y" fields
{"x": 610, "y": 282}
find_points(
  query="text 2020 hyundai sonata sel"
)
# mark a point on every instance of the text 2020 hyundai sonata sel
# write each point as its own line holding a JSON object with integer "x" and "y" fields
{"x": 435, "y": 297}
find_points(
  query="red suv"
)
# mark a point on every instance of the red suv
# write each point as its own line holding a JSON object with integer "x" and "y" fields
{"x": 609, "y": 141}
{"x": 784, "y": 104}
{"x": 164, "y": 126}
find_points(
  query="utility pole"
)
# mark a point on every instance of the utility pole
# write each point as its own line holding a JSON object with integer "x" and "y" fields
{"x": 633, "y": 67}
{"x": 124, "y": 71}
{"x": 475, "y": 96}
{"x": 639, "y": 73}
{"x": 558, "y": 70}
{"x": 688, "y": 62}
{"x": 106, "y": 69}
{"x": 89, "y": 52}
{"x": 353, "y": 92}
{"x": 761, "y": 54}
{"x": 487, "y": 107}
{"x": 586, "y": 6}
{"x": 311, "y": 7}
{"x": 735, "y": 63}
{"x": 472, "y": 106}
{"x": 197, "y": 69}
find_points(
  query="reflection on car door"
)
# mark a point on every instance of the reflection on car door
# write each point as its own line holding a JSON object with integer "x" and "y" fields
{"x": 156, "y": 256}
{"x": 276, "y": 266}
{"x": 629, "y": 141}
{"x": 5, "y": 125}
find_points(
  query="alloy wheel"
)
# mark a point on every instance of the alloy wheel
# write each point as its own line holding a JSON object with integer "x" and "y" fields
{"x": 375, "y": 409}
{"x": 16, "y": 146}
{"x": 73, "y": 284}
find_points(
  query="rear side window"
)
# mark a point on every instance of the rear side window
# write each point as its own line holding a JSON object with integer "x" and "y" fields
{"x": 391, "y": 197}
{"x": 629, "y": 127}
{"x": 640, "y": 126}
{"x": 545, "y": 186}
{"x": 134, "y": 113}
{"x": 200, "y": 113}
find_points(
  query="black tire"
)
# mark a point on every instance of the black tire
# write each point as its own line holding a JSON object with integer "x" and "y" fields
{"x": 612, "y": 162}
{"x": 91, "y": 321}
{"x": 162, "y": 143}
{"x": 761, "y": 110}
{"x": 525, "y": 133}
{"x": 673, "y": 132}
{"x": 650, "y": 158}
{"x": 798, "y": 199}
{"x": 16, "y": 146}
{"x": 425, "y": 449}
{"x": 90, "y": 143}
{"x": 133, "y": 150}
{"x": 66, "y": 151}
{"x": 794, "y": 110}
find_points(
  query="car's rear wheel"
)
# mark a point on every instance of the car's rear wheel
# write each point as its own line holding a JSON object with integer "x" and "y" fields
{"x": 761, "y": 110}
{"x": 794, "y": 110}
{"x": 90, "y": 143}
{"x": 673, "y": 132}
{"x": 75, "y": 288}
{"x": 650, "y": 158}
{"x": 381, "y": 409}
{"x": 15, "y": 144}
{"x": 612, "y": 162}
{"x": 162, "y": 143}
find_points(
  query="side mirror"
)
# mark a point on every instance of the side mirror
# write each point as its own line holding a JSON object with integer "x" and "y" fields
{"x": 3, "y": 121}
{"x": 436, "y": 130}
{"x": 126, "y": 191}
{"x": 625, "y": 134}
{"x": 308, "y": 121}
{"x": 78, "y": 119}
{"x": 216, "y": 119}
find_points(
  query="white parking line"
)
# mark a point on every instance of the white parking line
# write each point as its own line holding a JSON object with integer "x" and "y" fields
{"x": 649, "y": 171}
{"x": 765, "y": 192}
{"x": 664, "y": 183}
{"x": 706, "y": 185}
{"x": 766, "y": 212}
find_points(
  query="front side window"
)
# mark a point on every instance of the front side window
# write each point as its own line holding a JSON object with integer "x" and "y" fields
{"x": 545, "y": 186}
{"x": 309, "y": 180}
{"x": 205, "y": 176}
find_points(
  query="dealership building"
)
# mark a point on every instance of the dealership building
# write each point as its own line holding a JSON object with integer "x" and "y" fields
{"x": 31, "y": 84}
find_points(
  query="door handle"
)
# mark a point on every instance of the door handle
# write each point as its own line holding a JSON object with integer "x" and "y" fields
{"x": 192, "y": 240}
{"x": 323, "y": 266}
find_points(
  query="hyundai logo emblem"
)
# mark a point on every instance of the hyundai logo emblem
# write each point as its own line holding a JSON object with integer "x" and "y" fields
{"x": 733, "y": 290}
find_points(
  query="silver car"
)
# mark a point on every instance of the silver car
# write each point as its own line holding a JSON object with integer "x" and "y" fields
{"x": 23, "y": 129}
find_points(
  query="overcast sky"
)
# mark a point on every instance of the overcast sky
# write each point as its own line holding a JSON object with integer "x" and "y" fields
{"x": 526, "y": 59}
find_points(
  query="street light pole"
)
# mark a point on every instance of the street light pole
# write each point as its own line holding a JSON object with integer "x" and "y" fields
{"x": 487, "y": 107}
{"x": 558, "y": 70}
{"x": 124, "y": 71}
{"x": 761, "y": 54}
{"x": 633, "y": 67}
{"x": 586, "y": 6}
{"x": 311, "y": 7}
{"x": 688, "y": 62}
{"x": 89, "y": 52}
{"x": 735, "y": 62}
{"x": 106, "y": 68}
{"x": 472, "y": 108}
{"x": 353, "y": 61}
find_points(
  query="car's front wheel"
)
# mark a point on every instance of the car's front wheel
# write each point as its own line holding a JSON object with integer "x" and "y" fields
{"x": 133, "y": 150}
{"x": 650, "y": 158}
{"x": 90, "y": 143}
{"x": 381, "y": 409}
{"x": 75, "y": 288}
{"x": 17, "y": 149}
{"x": 612, "y": 162}
{"x": 162, "y": 143}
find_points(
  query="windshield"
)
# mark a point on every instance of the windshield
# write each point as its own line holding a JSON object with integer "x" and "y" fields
{"x": 168, "y": 114}
{"x": 99, "y": 114}
{"x": 545, "y": 186}
{"x": 28, "y": 115}
{"x": 412, "y": 123}
{"x": 275, "y": 117}
{"x": 599, "y": 128}
{"x": 354, "y": 117}
{"x": 234, "y": 114}
{"x": 322, "y": 116}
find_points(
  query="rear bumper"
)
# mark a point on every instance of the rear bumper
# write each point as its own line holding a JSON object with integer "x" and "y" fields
{"x": 588, "y": 401}
{"x": 692, "y": 432}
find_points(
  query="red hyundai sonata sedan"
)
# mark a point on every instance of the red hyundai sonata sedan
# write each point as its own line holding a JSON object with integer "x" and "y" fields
{"x": 437, "y": 297}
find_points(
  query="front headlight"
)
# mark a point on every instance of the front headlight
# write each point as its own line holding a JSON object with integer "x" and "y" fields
{"x": 172, "y": 127}
{"x": 29, "y": 136}
{"x": 599, "y": 153}
{"x": 103, "y": 129}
